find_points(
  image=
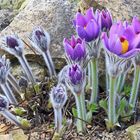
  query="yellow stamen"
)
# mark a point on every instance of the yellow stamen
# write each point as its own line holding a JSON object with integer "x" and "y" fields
{"x": 125, "y": 45}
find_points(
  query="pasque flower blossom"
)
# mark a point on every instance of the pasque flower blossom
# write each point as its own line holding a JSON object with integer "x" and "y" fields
{"x": 122, "y": 41}
{"x": 4, "y": 72}
{"x": 87, "y": 26}
{"x": 76, "y": 51}
{"x": 14, "y": 46}
{"x": 120, "y": 46}
{"x": 40, "y": 40}
{"x": 75, "y": 48}
{"x": 4, "y": 105}
{"x": 104, "y": 19}
{"x": 58, "y": 98}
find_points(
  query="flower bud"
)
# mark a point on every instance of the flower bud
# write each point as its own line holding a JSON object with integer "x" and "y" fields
{"x": 58, "y": 96}
{"x": 75, "y": 48}
{"x": 3, "y": 103}
{"x": 14, "y": 45}
{"x": 40, "y": 39}
{"x": 76, "y": 78}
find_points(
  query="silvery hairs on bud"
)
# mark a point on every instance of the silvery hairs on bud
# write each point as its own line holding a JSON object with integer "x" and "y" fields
{"x": 4, "y": 103}
{"x": 58, "y": 96}
{"x": 4, "y": 69}
{"x": 13, "y": 45}
{"x": 40, "y": 39}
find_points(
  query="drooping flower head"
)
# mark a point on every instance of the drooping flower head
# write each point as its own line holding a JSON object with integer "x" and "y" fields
{"x": 104, "y": 19}
{"x": 4, "y": 69}
{"x": 75, "y": 48}
{"x": 3, "y": 103}
{"x": 13, "y": 45}
{"x": 86, "y": 25}
{"x": 122, "y": 40}
{"x": 40, "y": 39}
{"x": 58, "y": 96}
{"x": 76, "y": 78}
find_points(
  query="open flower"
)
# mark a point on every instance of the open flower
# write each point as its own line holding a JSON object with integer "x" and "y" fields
{"x": 86, "y": 25}
{"x": 122, "y": 41}
{"x": 104, "y": 19}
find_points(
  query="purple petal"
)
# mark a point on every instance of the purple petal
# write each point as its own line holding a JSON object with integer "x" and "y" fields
{"x": 136, "y": 24}
{"x": 73, "y": 41}
{"x": 79, "y": 52}
{"x": 82, "y": 33}
{"x": 115, "y": 45}
{"x": 105, "y": 40}
{"x": 80, "y": 20}
{"x": 131, "y": 53}
{"x": 117, "y": 28}
{"x": 89, "y": 14}
{"x": 92, "y": 30}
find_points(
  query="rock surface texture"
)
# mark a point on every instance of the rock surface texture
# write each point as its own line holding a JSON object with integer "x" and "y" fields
{"x": 55, "y": 16}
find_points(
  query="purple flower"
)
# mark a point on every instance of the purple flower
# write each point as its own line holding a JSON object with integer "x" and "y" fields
{"x": 11, "y": 42}
{"x": 75, "y": 75}
{"x": 136, "y": 25}
{"x": 40, "y": 39}
{"x": 13, "y": 45}
{"x": 3, "y": 103}
{"x": 122, "y": 40}
{"x": 104, "y": 19}
{"x": 75, "y": 48}
{"x": 58, "y": 96}
{"x": 87, "y": 26}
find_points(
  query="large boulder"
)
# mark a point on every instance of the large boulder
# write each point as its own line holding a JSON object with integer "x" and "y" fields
{"x": 54, "y": 15}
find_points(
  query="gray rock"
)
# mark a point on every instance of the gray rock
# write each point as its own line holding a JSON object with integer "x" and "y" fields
{"x": 55, "y": 16}
{"x": 6, "y": 16}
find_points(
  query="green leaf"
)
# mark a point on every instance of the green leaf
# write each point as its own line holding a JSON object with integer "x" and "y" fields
{"x": 103, "y": 104}
{"x": 19, "y": 111}
{"x": 122, "y": 106}
{"x": 92, "y": 107}
{"x": 74, "y": 112}
{"x": 37, "y": 88}
{"x": 89, "y": 116}
{"x": 127, "y": 90}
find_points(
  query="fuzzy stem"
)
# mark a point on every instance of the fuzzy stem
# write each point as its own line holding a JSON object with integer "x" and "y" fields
{"x": 49, "y": 63}
{"x": 135, "y": 87}
{"x": 89, "y": 74}
{"x": 94, "y": 73}
{"x": 80, "y": 124}
{"x": 120, "y": 82}
{"x": 112, "y": 101}
{"x": 7, "y": 91}
{"x": 83, "y": 106}
{"x": 58, "y": 119}
{"x": 10, "y": 117}
{"x": 13, "y": 82}
{"x": 26, "y": 68}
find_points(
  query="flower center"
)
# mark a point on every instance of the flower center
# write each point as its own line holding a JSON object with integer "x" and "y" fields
{"x": 125, "y": 45}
